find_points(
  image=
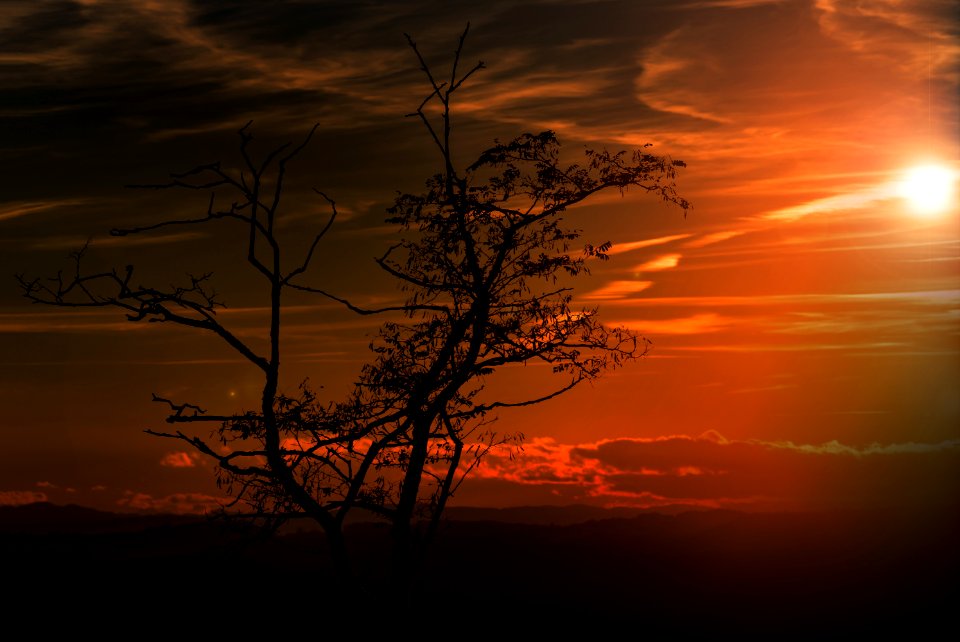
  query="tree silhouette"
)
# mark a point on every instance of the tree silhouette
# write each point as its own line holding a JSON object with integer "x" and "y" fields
{"x": 257, "y": 190}
{"x": 486, "y": 263}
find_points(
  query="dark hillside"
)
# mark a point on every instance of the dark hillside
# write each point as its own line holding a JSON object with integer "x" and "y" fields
{"x": 713, "y": 571}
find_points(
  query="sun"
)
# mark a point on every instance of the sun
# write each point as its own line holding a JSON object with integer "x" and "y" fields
{"x": 928, "y": 189}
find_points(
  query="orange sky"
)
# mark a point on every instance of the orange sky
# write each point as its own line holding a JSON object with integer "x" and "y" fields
{"x": 804, "y": 316}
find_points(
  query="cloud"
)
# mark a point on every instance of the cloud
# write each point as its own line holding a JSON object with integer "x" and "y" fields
{"x": 765, "y": 389}
{"x": 879, "y": 322}
{"x": 662, "y": 65}
{"x": 618, "y": 290}
{"x": 629, "y": 246}
{"x": 889, "y": 323}
{"x": 834, "y": 447}
{"x": 710, "y": 470}
{"x": 918, "y": 297}
{"x": 244, "y": 321}
{"x": 176, "y": 503}
{"x": 728, "y": 4}
{"x": 21, "y": 497}
{"x": 343, "y": 65}
{"x": 915, "y": 37}
{"x": 66, "y": 325}
{"x": 850, "y": 199}
{"x": 664, "y": 262}
{"x": 75, "y": 242}
{"x": 179, "y": 459}
{"x": 14, "y": 210}
{"x": 714, "y": 237}
{"x": 696, "y": 324}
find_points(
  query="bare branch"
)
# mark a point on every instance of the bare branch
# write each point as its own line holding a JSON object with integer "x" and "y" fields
{"x": 316, "y": 239}
{"x": 369, "y": 311}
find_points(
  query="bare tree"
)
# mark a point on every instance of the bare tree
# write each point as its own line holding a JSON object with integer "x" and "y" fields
{"x": 258, "y": 455}
{"x": 486, "y": 263}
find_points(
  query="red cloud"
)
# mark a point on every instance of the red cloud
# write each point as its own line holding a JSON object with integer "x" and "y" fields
{"x": 179, "y": 459}
{"x": 177, "y": 503}
{"x": 20, "y": 497}
{"x": 711, "y": 471}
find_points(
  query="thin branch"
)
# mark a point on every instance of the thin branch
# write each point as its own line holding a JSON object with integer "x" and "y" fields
{"x": 316, "y": 239}
{"x": 222, "y": 460}
{"x": 483, "y": 408}
{"x": 368, "y": 311}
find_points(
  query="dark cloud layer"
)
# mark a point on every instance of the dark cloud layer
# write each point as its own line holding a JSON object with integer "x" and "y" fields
{"x": 712, "y": 471}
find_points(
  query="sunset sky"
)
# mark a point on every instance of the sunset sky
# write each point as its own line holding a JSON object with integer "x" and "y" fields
{"x": 805, "y": 314}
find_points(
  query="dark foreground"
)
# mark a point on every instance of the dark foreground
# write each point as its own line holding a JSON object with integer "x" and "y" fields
{"x": 772, "y": 575}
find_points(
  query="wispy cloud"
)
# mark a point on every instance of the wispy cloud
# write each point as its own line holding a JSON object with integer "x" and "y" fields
{"x": 175, "y": 503}
{"x": 915, "y": 37}
{"x": 179, "y": 459}
{"x": 834, "y": 447}
{"x": 14, "y": 210}
{"x": 20, "y": 497}
{"x": 42, "y": 327}
{"x": 727, "y": 4}
{"x": 893, "y": 322}
{"x": 629, "y": 246}
{"x": 920, "y": 297}
{"x": 139, "y": 240}
{"x": 714, "y": 237}
{"x": 663, "y": 262}
{"x": 869, "y": 348}
{"x": 657, "y": 84}
{"x": 695, "y": 325}
{"x": 617, "y": 290}
{"x": 849, "y": 200}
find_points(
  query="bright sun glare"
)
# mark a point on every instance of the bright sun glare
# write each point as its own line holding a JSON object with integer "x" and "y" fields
{"x": 928, "y": 189}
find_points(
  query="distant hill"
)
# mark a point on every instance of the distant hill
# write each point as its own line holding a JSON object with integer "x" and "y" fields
{"x": 47, "y": 517}
{"x": 555, "y": 515}
{"x": 44, "y": 517}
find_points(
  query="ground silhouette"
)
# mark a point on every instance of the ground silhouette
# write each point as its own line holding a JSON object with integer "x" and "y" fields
{"x": 781, "y": 575}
